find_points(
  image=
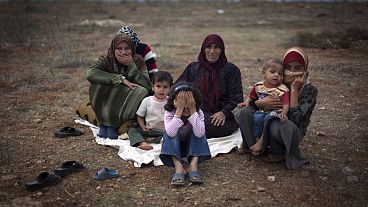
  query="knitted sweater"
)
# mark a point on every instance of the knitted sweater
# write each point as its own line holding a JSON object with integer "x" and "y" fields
{"x": 145, "y": 51}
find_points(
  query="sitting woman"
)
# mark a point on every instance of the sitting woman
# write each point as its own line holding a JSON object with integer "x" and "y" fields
{"x": 119, "y": 82}
{"x": 282, "y": 138}
{"x": 219, "y": 82}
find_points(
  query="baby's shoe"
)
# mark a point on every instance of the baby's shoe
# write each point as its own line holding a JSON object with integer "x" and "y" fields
{"x": 102, "y": 133}
{"x": 111, "y": 132}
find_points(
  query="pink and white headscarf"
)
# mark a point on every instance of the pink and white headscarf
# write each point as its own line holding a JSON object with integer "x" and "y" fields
{"x": 296, "y": 54}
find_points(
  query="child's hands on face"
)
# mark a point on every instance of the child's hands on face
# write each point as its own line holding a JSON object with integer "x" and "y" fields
{"x": 180, "y": 101}
{"x": 191, "y": 104}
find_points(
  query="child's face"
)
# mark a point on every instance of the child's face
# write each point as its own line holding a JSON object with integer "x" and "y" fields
{"x": 161, "y": 89}
{"x": 273, "y": 74}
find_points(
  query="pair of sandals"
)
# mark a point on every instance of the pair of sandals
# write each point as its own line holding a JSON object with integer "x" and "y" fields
{"x": 178, "y": 179}
{"x": 48, "y": 179}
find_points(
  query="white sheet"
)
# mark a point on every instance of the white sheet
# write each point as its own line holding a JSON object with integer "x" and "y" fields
{"x": 139, "y": 157}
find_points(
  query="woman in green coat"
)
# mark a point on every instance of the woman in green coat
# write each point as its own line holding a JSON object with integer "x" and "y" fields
{"x": 119, "y": 82}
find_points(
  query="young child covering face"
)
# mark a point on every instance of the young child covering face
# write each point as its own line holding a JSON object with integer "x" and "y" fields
{"x": 184, "y": 135}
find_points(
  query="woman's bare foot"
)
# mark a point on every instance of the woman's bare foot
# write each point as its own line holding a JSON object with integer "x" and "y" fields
{"x": 145, "y": 146}
{"x": 257, "y": 147}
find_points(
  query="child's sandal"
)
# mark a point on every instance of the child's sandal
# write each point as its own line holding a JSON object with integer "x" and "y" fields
{"x": 178, "y": 179}
{"x": 195, "y": 178}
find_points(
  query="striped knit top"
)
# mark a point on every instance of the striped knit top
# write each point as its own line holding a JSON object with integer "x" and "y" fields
{"x": 173, "y": 123}
{"x": 145, "y": 51}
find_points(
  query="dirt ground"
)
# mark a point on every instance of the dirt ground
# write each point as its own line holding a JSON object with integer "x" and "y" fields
{"x": 45, "y": 53}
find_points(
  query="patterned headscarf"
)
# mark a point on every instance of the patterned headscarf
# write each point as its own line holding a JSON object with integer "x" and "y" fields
{"x": 210, "y": 85}
{"x": 129, "y": 31}
{"x": 111, "y": 63}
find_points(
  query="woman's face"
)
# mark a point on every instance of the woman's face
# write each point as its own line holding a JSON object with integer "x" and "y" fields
{"x": 212, "y": 53}
{"x": 294, "y": 67}
{"x": 123, "y": 49}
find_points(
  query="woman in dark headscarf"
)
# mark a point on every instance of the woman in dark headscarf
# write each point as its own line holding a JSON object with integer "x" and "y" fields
{"x": 119, "y": 82}
{"x": 219, "y": 82}
{"x": 282, "y": 138}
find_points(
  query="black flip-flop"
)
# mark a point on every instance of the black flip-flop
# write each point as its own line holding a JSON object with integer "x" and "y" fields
{"x": 68, "y": 167}
{"x": 44, "y": 179}
{"x": 67, "y": 132}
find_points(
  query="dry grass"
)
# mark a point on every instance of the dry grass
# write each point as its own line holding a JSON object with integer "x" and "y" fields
{"x": 328, "y": 39}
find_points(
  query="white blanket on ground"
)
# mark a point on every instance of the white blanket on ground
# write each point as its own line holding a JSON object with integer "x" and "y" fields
{"x": 139, "y": 157}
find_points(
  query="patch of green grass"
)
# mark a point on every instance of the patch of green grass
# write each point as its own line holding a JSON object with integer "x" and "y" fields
{"x": 328, "y": 39}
